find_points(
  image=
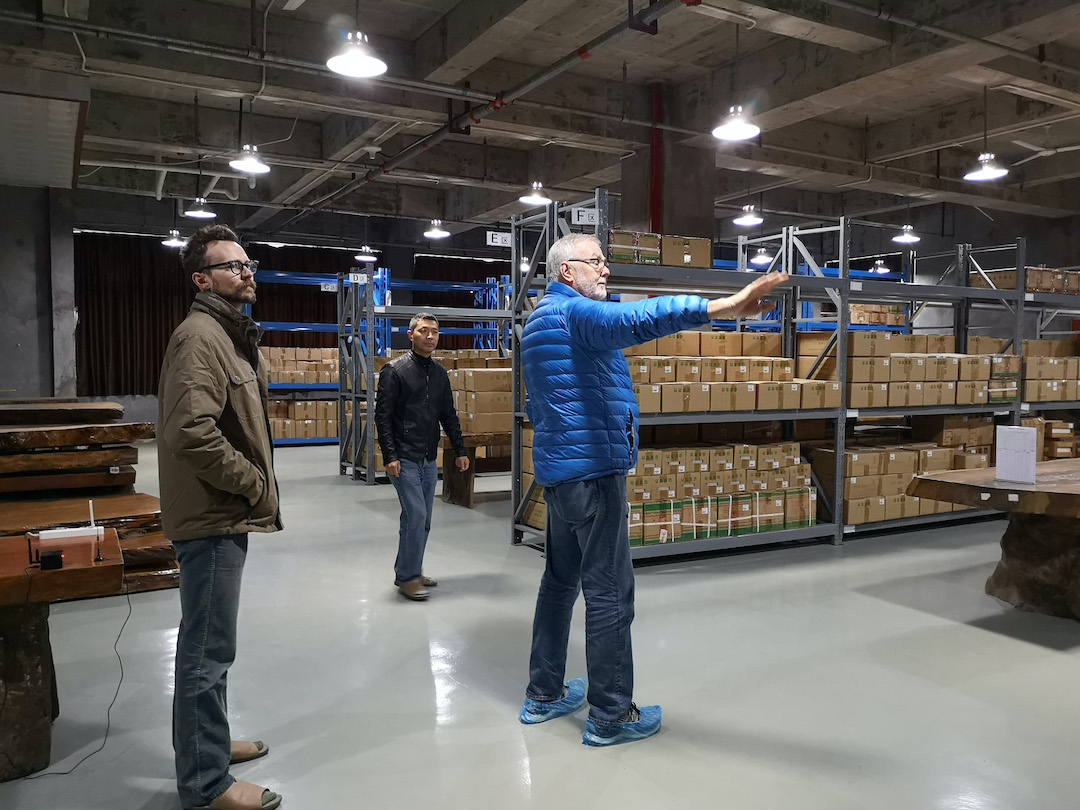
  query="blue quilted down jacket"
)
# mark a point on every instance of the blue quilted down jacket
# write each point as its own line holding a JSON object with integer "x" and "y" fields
{"x": 580, "y": 397}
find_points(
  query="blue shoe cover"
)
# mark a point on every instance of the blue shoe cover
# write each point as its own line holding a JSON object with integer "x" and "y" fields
{"x": 618, "y": 733}
{"x": 537, "y": 711}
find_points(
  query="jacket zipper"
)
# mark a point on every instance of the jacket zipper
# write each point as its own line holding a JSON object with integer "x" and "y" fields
{"x": 630, "y": 429}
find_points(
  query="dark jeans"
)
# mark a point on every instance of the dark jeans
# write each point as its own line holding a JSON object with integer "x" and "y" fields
{"x": 210, "y": 571}
{"x": 587, "y": 547}
{"x": 416, "y": 491}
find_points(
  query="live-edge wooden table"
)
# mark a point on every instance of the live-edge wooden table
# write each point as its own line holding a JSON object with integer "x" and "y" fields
{"x": 1040, "y": 551}
{"x": 28, "y": 703}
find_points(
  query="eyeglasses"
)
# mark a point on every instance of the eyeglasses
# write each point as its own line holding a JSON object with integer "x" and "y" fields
{"x": 595, "y": 262}
{"x": 236, "y": 267}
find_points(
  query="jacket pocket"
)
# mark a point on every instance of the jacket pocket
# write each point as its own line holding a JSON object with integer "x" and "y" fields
{"x": 245, "y": 398}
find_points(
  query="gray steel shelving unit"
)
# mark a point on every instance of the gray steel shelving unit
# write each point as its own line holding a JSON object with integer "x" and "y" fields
{"x": 840, "y": 290}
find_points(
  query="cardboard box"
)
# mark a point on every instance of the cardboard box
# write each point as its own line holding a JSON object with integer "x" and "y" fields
{"x": 639, "y": 489}
{"x": 690, "y": 485}
{"x": 899, "y": 462}
{"x": 478, "y": 423}
{"x": 663, "y": 488}
{"x": 496, "y": 379}
{"x": 713, "y": 370}
{"x": 698, "y": 459}
{"x": 662, "y": 369}
{"x": 971, "y": 461}
{"x": 680, "y": 344}
{"x": 790, "y": 395}
{"x": 688, "y": 369}
{"x": 907, "y": 368}
{"x": 768, "y": 396}
{"x": 936, "y": 459}
{"x": 722, "y": 459}
{"x": 489, "y": 401}
{"x": 673, "y": 461}
{"x": 974, "y": 367}
{"x": 783, "y": 369}
{"x": 727, "y": 397}
{"x": 832, "y": 395}
{"x": 894, "y": 484}
{"x": 800, "y": 508}
{"x": 940, "y": 344}
{"x": 737, "y": 370}
{"x": 646, "y": 349}
{"x": 745, "y": 456}
{"x": 761, "y": 344}
{"x": 721, "y": 344}
{"x": 769, "y": 511}
{"x": 972, "y": 393}
{"x": 905, "y": 394}
{"x": 868, "y": 395}
{"x": 826, "y": 371}
{"x": 868, "y": 369}
{"x": 640, "y": 370}
{"x": 648, "y": 397}
{"x": 812, "y": 394}
{"x": 857, "y": 463}
{"x": 685, "y": 397}
{"x": 685, "y": 251}
{"x": 760, "y": 369}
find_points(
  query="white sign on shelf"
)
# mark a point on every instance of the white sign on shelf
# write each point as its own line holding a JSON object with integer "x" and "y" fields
{"x": 1016, "y": 448}
{"x": 498, "y": 239}
{"x": 584, "y": 216}
{"x": 856, "y": 286}
{"x": 328, "y": 286}
{"x": 358, "y": 278}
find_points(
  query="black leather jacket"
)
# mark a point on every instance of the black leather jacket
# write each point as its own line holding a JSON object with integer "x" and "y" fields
{"x": 414, "y": 399}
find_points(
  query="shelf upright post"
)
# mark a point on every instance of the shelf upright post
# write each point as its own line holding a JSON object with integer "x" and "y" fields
{"x": 603, "y": 217}
{"x": 843, "y": 316}
{"x": 369, "y": 376}
{"x": 962, "y": 308}
{"x": 345, "y": 375}
{"x": 1020, "y": 319}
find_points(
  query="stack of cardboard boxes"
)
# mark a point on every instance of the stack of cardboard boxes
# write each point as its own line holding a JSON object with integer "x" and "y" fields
{"x": 1039, "y": 279}
{"x": 483, "y": 398}
{"x": 889, "y": 370}
{"x": 632, "y": 247}
{"x": 879, "y": 314}
{"x": 301, "y": 366}
{"x": 1051, "y": 371}
{"x": 701, "y": 372}
{"x": 310, "y": 419}
{"x": 876, "y": 478}
{"x": 1059, "y": 440}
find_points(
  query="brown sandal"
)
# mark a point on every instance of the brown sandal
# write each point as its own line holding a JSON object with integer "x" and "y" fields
{"x": 261, "y": 750}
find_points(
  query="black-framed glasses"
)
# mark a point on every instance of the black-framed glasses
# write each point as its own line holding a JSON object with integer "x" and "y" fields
{"x": 236, "y": 267}
{"x": 595, "y": 262}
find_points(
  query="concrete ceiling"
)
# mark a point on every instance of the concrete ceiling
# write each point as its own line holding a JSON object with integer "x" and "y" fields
{"x": 853, "y": 107}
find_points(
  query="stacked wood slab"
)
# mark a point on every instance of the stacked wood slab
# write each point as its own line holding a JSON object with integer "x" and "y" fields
{"x": 56, "y": 455}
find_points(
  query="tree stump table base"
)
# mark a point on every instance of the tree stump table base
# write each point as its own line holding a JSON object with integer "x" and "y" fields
{"x": 28, "y": 683}
{"x": 1040, "y": 565}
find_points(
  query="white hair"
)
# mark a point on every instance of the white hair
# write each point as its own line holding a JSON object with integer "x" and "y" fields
{"x": 563, "y": 249}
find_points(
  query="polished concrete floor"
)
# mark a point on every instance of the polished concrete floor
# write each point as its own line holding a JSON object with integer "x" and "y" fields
{"x": 873, "y": 675}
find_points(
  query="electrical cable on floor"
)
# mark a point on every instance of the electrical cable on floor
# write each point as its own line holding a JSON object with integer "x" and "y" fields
{"x": 108, "y": 712}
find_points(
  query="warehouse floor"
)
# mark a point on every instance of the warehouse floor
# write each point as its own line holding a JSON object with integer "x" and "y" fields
{"x": 872, "y": 675}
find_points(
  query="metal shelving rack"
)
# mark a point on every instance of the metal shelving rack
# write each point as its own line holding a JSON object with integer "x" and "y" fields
{"x": 362, "y": 317}
{"x": 327, "y": 284}
{"x": 812, "y": 282}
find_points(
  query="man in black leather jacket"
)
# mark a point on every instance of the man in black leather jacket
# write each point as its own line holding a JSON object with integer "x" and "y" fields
{"x": 414, "y": 399}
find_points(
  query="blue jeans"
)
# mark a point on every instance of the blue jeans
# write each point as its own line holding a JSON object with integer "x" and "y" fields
{"x": 416, "y": 491}
{"x": 588, "y": 547}
{"x": 210, "y": 571}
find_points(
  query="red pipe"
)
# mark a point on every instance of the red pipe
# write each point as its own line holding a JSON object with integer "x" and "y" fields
{"x": 656, "y": 163}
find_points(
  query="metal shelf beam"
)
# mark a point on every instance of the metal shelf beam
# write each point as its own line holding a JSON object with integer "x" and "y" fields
{"x": 1003, "y": 409}
{"x": 819, "y": 532}
{"x": 1050, "y": 406}
{"x": 735, "y": 416}
{"x": 922, "y": 520}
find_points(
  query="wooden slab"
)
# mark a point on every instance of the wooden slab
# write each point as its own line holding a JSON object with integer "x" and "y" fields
{"x": 16, "y": 439}
{"x": 59, "y": 413}
{"x": 480, "y": 440}
{"x": 1056, "y": 490}
{"x": 21, "y": 582}
{"x": 91, "y": 479}
{"x": 151, "y": 580}
{"x": 43, "y": 462}
{"x": 25, "y": 516}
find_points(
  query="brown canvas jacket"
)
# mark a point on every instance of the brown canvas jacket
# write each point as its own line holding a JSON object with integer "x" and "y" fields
{"x": 215, "y": 454}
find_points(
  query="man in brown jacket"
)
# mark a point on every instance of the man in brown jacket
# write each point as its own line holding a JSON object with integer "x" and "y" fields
{"x": 215, "y": 461}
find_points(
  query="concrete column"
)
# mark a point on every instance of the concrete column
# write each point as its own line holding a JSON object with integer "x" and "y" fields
{"x": 688, "y": 190}
{"x": 62, "y": 267}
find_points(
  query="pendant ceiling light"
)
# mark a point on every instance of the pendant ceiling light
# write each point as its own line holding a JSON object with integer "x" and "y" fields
{"x": 356, "y": 59}
{"x": 366, "y": 254}
{"x": 535, "y": 196}
{"x": 907, "y": 236}
{"x": 199, "y": 210}
{"x": 988, "y": 168}
{"x": 748, "y": 218}
{"x": 436, "y": 231}
{"x": 880, "y": 268}
{"x": 762, "y": 257}
{"x": 248, "y": 161}
{"x": 174, "y": 240}
{"x": 737, "y": 126}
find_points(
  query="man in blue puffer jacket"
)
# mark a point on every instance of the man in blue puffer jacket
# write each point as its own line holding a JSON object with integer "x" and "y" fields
{"x": 584, "y": 416}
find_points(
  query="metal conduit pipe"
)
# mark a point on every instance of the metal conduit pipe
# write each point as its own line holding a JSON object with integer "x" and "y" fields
{"x": 880, "y": 13}
{"x": 476, "y": 114}
{"x": 53, "y": 23}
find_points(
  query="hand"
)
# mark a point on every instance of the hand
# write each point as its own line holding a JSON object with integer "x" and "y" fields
{"x": 748, "y": 301}
{"x": 393, "y": 468}
{"x": 462, "y": 463}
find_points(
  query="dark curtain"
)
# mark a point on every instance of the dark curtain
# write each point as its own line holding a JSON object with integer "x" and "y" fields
{"x": 131, "y": 294}
{"x": 448, "y": 268}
